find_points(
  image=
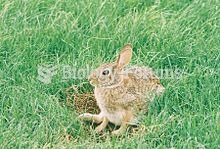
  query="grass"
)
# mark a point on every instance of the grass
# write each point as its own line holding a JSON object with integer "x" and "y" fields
{"x": 165, "y": 34}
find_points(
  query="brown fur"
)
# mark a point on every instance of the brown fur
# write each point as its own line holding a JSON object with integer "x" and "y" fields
{"x": 122, "y": 94}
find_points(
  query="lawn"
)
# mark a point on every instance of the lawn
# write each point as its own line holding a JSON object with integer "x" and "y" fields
{"x": 164, "y": 34}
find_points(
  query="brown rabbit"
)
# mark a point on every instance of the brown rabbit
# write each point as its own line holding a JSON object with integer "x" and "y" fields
{"x": 122, "y": 94}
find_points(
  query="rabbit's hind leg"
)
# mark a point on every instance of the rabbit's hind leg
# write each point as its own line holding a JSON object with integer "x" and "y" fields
{"x": 91, "y": 117}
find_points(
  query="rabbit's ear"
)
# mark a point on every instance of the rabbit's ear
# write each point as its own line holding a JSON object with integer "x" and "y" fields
{"x": 125, "y": 56}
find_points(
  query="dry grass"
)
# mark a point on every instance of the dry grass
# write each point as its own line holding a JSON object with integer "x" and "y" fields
{"x": 81, "y": 102}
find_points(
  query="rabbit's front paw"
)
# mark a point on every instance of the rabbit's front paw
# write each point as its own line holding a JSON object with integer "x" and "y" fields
{"x": 117, "y": 132}
{"x": 102, "y": 126}
{"x": 121, "y": 130}
{"x": 99, "y": 128}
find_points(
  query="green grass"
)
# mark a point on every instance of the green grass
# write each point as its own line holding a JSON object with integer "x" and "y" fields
{"x": 165, "y": 34}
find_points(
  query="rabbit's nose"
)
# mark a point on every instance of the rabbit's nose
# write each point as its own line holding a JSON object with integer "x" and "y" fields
{"x": 91, "y": 77}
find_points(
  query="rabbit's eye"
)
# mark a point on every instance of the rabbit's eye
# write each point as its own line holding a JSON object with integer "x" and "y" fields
{"x": 105, "y": 72}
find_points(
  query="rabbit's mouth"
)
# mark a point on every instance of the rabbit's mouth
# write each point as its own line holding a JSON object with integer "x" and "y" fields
{"x": 93, "y": 82}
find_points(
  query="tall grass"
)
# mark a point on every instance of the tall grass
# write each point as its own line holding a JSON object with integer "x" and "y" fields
{"x": 165, "y": 34}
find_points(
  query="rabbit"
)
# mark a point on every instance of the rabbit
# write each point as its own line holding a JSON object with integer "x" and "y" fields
{"x": 122, "y": 94}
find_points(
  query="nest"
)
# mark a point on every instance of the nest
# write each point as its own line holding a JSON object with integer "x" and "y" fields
{"x": 80, "y": 100}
